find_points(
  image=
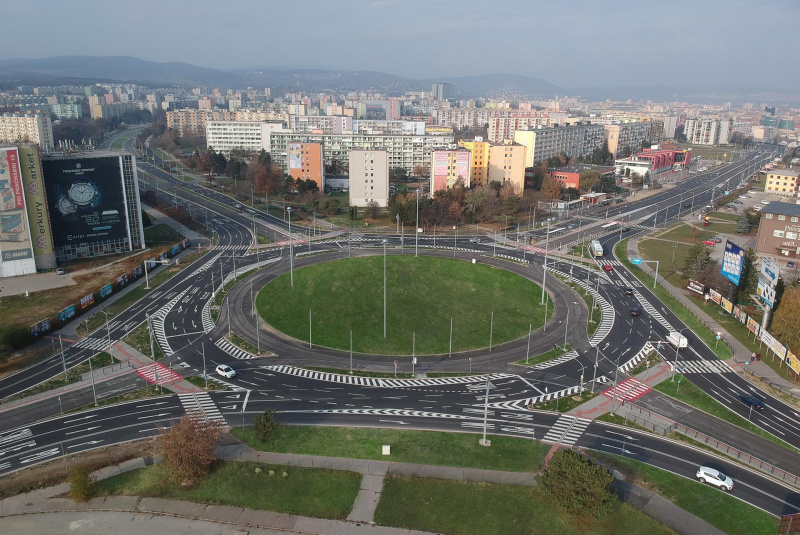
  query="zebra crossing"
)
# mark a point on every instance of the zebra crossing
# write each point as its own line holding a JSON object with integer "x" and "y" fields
{"x": 158, "y": 371}
{"x": 533, "y": 249}
{"x": 157, "y": 321}
{"x": 96, "y": 344}
{"x": 651, "y": 310}
{"x": 628, "y": 390}
{"x": 637, "y": 358}
{"x": 606, "y": 309}
{"x": 526, "y": 403}
{"x": 604, "y": 262}
{"x": 233, "y": 350}
{"x": 555, "y": 362}
{"x": 382, "y": 382}
{"x": 701, "y": 366}
{"x": 205, "y": 316}
{"x": 200, "y": 406}
{"x": 567, "y": 430}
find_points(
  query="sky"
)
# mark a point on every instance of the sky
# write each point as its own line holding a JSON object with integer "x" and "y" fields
{"x": 571, "y": 43}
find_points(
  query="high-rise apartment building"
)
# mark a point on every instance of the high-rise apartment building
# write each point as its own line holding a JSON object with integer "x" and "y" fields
{"x": 369, "y": 177}
{"x": 631, "y": 137}
{"x": 194, "y": 121}
{"x": 224, "y": 136}
{"x": 36, "y": 129}
{"x": 507, "y": 164}
{"x": 443, "y": 91}
{"x": 544, "y": 143}
{"x": 448, "y": 166}
{"x": 479, "y": 160}
{"x": 708, "y": 131}
{"x": 306, "y": 161}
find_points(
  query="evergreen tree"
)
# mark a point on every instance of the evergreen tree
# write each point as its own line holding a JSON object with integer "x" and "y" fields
{"x": 743, "y": 225}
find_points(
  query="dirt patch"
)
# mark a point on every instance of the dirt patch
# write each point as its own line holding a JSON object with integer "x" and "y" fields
{"x": 55, "y": 472}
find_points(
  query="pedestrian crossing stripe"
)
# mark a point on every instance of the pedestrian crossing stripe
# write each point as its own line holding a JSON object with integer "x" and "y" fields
{"x": 157, "y": 373}
{"x": 555, "y": 362}
{"x": 234, "y": 351}
{"x": 646, "y": 350}
{"x": 602, "y": 262}
{"x": 606, "y": 309}
{"x": 526, "y": 403}
{"x": 701, "y": 366}
{"x": 628, "y": 390}
{"x": 567, "y": 430}
{"x": 208, "y": 323}
{"x": 94, "y": 343}
{"x": 199, "y": 405}
{"x": 382, "y": 382}
{"x": 651, "y": 310}
{"x": 157, "y": 320}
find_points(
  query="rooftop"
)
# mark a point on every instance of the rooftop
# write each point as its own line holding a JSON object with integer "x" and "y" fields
{"x": 784, "y": 172}
{"x": 782, "y": 208}
{"x": 581, "y": 167}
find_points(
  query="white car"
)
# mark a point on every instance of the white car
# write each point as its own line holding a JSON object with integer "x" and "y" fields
{"x": 225, "y": 371}
{"x": 714, "y": 477}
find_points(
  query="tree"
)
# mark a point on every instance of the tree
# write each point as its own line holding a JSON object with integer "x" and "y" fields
{"x": 353, "y": 213}
{"x": 590, "y": 179}
{"x": 188, "y": 448}
{"x": 743, "y": 225}
{"x": 780, "y": 288}
{"x": 398, "y": 174}
{"x": 551, "y": 188}
{"x": 264, "y": 424}
{"x": 785, "y": 324}
{"x": 82, "y": 486}
{"x": 696, "y": 260}
{"x": 421, "y": 170}
{"x": 373, "y": 209}
{"x": 748, "y": 280}
{"x": 577, "y": 485}
{"x": 710, "y": 276}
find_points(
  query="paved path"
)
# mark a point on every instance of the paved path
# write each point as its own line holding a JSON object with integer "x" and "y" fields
{"x": 143, "y": 365}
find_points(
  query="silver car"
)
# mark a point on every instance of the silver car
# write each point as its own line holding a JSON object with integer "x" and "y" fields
{"x": 226, "y": 371}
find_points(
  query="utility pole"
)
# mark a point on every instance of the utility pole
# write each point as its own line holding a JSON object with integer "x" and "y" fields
{"x": 483, "y": 441}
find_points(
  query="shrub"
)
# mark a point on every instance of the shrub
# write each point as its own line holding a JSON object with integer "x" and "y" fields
{"x": 264, "y": 424}
{"x": 577, "y": 485}
{"x": 82, "y": 485}
{"x": 188, "y": 449}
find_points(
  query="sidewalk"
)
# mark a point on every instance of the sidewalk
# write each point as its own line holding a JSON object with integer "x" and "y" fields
{"x": 158, "y": 217}
{"x": 740, "y": 353}
{"x": 125, "y": 353}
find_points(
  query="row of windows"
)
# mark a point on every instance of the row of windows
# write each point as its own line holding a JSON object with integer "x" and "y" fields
{"x": 782, "y": 234}
{"x": 781, "y": 217}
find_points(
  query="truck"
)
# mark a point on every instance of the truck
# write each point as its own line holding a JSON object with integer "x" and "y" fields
{"x": 678, "y": 340}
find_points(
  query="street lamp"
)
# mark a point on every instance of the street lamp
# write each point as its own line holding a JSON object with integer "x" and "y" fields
{"x": 583, "y": 371}
{"x": 384, "y": 289}
{"x": 108, "y": 332}
{"x": 416, "y": 231}
{"x": 291, "y": 248}
{"x": 544, "y": 270}
{"x": 146, "y": 279}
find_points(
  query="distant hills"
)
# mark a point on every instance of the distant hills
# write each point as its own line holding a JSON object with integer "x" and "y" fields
{"x": 91, "y": 69}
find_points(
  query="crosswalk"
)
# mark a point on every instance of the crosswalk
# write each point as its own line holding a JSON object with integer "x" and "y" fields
{"x": 157, "y": 320}
{"x": 702, "y": 366}
{"x": 555, "y": 362}
{"x": 651, "y": 310}
{"x": 628, "y": 390}
{"x": 607, "y": 315}
{"x": 604, "y": 262}
{"x": 233, "y": 350}
{"x": 200, "y": 406}
{"x": 151, "y": 372}
{"x": 567, "y": 430}
{"x": 637, "y": 358}
{"x": 383, "y": 382}
{"x": 96, "y": 344}
{"x": 205, "y": 316}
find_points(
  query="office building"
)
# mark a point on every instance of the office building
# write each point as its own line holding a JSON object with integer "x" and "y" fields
{"x": 369, "y": 177}
{"x": 779, "y": 230}
{"x": 443, "y": 91}
{"x": 36, "y": 129}
{"x": 782, "y": 182}
{"x": 305, "y": 161}
{"x": 93, "y": 202}
{"x": 708, "y": 131}
{"x": 507, "y": 164}
{"x": 448, "y": 166}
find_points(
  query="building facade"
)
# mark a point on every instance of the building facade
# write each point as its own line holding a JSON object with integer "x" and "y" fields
{"x": 570, "y": 175}
{"x": 306, "y": 161}
{"x": 479, "y": 160}
{"x": 369, "y": 177}
{"x": 779, "y": 230}
{"x": 708, "y": 131}
{"x": 36, "y": 129}
{"x": 782, "y": 182}
{"x": 194, "y": 121}
{"x": 448, "y": 166}
{"x": 225, "y": 136}
{"x": 507, "y": 165}
{"x": 544, "y": 143}
{"x": 631, "y": 137}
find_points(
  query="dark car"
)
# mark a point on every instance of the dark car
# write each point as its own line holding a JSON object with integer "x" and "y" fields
{"x": 687, "y": 205}
{"x": 628, "y": 291}
{"x": 752, "y": 401}
{"x": 635, "y": 312}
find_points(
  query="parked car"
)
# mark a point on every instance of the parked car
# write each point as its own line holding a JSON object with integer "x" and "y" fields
{"x": 737, "y": 202}
{"x": 61, "y": 271}
{"x": 765, "y": 202}
{"x": 225, "y": 371}
{"x": 714, "y": 477}
{"x": 474, "y": 240}
{"x": 606, "y": 267}
{"x": 752, "y": 401}
{"x": 709, "y": 242}
{"x": 635, "y": 312}
{"x": 789, "y": 264}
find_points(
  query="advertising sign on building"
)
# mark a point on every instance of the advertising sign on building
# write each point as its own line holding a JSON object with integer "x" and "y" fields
{"x": 770, "y": 271}
{"x": 462, "y": 165}
{"x": 766, "y": 292}
{"x": 439, "y": 171}
{"x": 30, "y": 167}
{"x": 294, "y": 156}
{"x": 86, "y": 200}
{"x": 732, "y": 262}
{"x": 693, "y": 286}
{"x": 16, "y": 247}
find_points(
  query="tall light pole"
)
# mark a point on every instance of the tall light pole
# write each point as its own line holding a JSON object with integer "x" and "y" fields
{"x": 291, "y": 248}
{"x": 416, "y": 230}
{"x": 455, "y": 240}
{"x": 108, "y": 332}
{"x": 544, "y": 270}
{"x": 384, "y": 289}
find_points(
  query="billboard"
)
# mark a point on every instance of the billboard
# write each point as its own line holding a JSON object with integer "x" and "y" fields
{"x": 36, "y": 203}
{"x": 67, "y": 313}
{"x": 752, "y": 325}
{"x": 766, "y": 292}
{"x": 715, "y": 296}
{"x": 462, "y": 165}
{"x": 295, "y": 159}
{"x": 86, "y": 200}
{"x": 727, "y": 306}
{"x": 732, "y": 262}
{"x": 696, "y": 287}
{"x": 439, "y": 171}
{"x": 770, "y": 271}
{"x": 16, "y": 248}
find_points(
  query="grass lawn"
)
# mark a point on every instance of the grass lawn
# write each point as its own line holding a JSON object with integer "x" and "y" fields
{"x": 686, "y": 233}
{"x": 664, "y": 252}
{"x": 422, "y": 447}
{"x": 690, "y": 394}
{"x": 469, "y": 508}
{"x": 699, "y": 328}
{"x": 724, "y": 215}
{"x": 161, "y": 233}
{"x": 544, "y": 357}
{"x": 199, "y": 381}
{"x": 566, "y": 404}
{"x": 593, "y": 322}
{"x": 306, "y": 491}
{"x": 715, "y": 507}
{"x": 139, "y": 338}
{"x": 424, "y": 293}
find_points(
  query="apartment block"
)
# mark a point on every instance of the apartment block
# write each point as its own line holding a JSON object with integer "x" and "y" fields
{"x": 66, "y": 111}
{"x": 305, "y": 161}
{"x": 782, "y": 182}
{"x": 507, "y": 164}
{"x": 502, "y": 128}
{"x": 630, "y": 137}
{"x": 544, "y": 143}
{"x": 448, "y": 166}
{"x": 36, "y": 129}
{"x": 191, "y": 120}
{"x": 369, "y": 177}
{"x": 224, "y": 136}
{"x": 479, "y": 160}
{"x": 708, "y": 131}
{"x": 324, "y": 124}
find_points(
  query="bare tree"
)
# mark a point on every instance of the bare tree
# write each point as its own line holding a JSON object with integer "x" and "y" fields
{"x": 188, "y": 448}
{"x": 373, "y": 209}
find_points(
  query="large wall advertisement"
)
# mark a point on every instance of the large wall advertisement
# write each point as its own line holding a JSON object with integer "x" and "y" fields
{"x": 86, "y": 200}
{"x": 439, "y": 171}
{"x": 36, "y": 202}
{"x": 16, "y": 249}
{"x": 732, "y": 262}
{"x": 462, "y": 165}
{"x": 295, "y": 159}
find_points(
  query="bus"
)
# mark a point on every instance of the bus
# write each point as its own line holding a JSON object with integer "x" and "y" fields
{"x": 596, "y": 249}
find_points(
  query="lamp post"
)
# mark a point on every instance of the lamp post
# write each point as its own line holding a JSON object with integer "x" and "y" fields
{"x": 146, "y": 278}
{"x": 291, "y": 248}
{"x": 108, "y": 332}
{"x": 455, "y": 240}
{"x": 384, "y": 289}
{"x": 416, "y": 230}
{"x": 677, "y": 347}
{"x": 544, "y": 267}
{"x": 583, "y": 371}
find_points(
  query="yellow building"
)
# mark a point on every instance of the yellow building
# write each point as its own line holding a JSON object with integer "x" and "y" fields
{"x": 782, "y": 182}
{"x": 479, "y": 161}
{"x": 507, "y": 164}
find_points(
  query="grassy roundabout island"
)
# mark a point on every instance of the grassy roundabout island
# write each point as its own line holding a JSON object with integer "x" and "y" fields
{"x": 422, "y": 295}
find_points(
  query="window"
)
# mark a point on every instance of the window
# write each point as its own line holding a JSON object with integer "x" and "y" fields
{"x": 791, "y": 235}
{"x": 769, "y": 216}
{"x": 777, "y": 234}
{"x": 794, "y": 220}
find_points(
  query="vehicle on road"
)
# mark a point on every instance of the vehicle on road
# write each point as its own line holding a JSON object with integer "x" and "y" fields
{"x": 677, "y": 340}
{"x": 737, "y": 202}
{"x": 225, "y": 371}
{"x": 714, "y": 477}
{"x": 237, "y": 206}
{"x": 572, "y": 226}
{"x": 474, "y": 240}
{"x": 607, "y": 268}
{"x": 635, "y": 312}
{"x": 596, "y": 249}
{"x": 687, "y": 205}
{"x": 752, "y": 401}
{"x": 61, "y": 271}
{"x": 628, "y": 291}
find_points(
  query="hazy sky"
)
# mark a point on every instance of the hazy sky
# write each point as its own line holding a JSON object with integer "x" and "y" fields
{"x": 567, "y": 42}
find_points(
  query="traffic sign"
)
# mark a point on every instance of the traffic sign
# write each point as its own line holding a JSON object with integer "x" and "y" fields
{"x": 718, "y": 337}
{"x": 636, "y": 261}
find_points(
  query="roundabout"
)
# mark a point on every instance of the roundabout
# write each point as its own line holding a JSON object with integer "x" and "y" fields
{"x": 488, "y": 306}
